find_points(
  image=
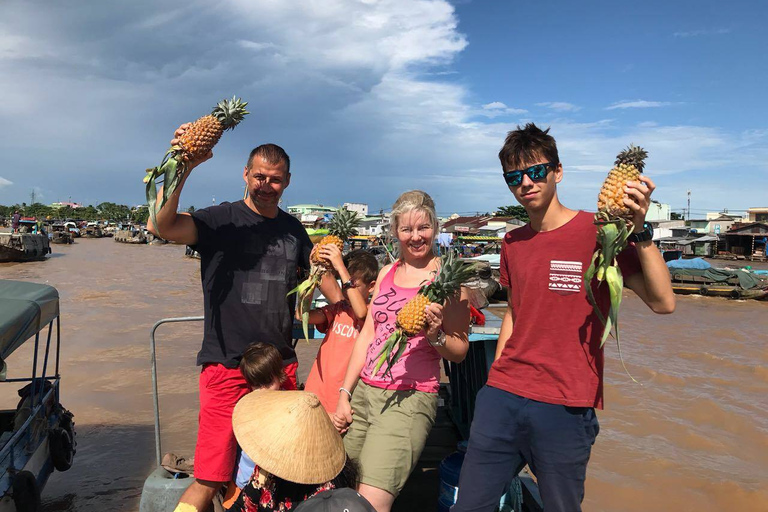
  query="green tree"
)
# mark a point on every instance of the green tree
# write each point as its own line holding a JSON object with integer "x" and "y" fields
{"x": 191, "y": 209}
{"x": 516, "y": 211}
{"x": 676, "y": 216}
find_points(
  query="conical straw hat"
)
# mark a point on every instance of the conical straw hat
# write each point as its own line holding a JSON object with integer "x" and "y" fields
{"x": 289, "y": 434}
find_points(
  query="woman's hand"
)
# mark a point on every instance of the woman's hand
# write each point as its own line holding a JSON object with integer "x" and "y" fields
{"x": 434, "y": 314}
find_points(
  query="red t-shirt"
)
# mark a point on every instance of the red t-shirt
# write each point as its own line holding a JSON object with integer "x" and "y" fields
{"x": 554, "y": 353}
{"x": 327, "y": 374}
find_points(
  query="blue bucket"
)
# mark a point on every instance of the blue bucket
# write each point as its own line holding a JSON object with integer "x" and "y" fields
{"x": 450, "y": 469}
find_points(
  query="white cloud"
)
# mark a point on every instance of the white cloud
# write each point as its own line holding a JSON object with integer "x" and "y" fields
{"x": 560, "y": 106}
{"x": 638, "y": 104}
{"x": 497, "y": 108}
{"x": 703, "y": 32}
{"x": 4, "y": 182}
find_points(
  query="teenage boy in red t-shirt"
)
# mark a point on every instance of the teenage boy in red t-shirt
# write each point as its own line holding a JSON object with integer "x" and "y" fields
{"x": 538, "y": 407}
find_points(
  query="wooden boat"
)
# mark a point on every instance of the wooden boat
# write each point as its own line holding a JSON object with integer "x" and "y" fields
{"x": 716, "y": 282}
{"x": 23, "y": 247}
{"x": 130, "y": 236}
{"x": 61, "y": 235}
{"x": 38, "y": 436}
{"x": 93, "y": 232}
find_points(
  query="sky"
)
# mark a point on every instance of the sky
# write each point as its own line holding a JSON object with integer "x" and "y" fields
{"x": 371, "y": 98}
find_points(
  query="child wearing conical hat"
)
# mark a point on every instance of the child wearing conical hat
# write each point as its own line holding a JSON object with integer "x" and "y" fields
{"x": 297, "y": 451}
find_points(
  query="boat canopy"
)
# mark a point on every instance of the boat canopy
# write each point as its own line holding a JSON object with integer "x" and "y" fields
{"x": 25, "y": 309}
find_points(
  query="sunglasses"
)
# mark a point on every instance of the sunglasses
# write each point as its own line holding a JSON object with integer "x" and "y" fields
{"x": 536, "y": 172}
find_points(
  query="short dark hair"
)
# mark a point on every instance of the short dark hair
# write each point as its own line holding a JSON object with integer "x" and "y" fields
{"x": 261, "y": 365}
{"x": 361, "y": 264}
{"x": 272, "y": 153}
{"x": 526, "y": 144}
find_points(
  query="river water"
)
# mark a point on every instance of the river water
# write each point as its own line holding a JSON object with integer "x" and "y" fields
{"x": 692, "y": 436}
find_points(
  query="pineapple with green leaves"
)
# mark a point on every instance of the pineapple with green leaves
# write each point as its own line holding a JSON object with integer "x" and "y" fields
{"x": 196, "y": 142}
{"x": 614, "y": 225}
{"x": 340, "y": 228}
{"x": 412, "y": 319}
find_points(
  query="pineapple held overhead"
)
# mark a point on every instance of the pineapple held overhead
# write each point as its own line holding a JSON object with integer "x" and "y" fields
{"x": 614, "y": 225}
{"x": 196, "y": 142}
{"x": 412, "y": 319}
{"x": 341, "y": 227}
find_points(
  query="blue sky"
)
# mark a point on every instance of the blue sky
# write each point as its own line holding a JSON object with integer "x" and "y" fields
{"x": 374, "y": 97}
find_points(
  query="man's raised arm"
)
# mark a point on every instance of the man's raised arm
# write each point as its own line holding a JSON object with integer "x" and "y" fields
{"x": 173, "y": 226}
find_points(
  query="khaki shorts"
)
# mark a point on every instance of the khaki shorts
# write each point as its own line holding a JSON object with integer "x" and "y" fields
{"x": 388, "y": 433}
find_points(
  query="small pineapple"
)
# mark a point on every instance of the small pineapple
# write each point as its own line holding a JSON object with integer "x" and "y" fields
{"x": 412, "y": 319}
{"x": 628, "y": 167}
{"x": 614, "y": 222}
{"x": 196, "y": 142}
{"x": 341, "y": 227}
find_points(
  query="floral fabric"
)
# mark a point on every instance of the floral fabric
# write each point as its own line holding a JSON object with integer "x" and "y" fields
{"x": 267, "y": 493}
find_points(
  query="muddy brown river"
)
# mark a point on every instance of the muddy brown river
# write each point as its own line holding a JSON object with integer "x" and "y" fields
{"x": 692, "y": 436}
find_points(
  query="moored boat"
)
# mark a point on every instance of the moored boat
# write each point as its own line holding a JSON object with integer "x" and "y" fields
{"x": 697, "y": 277}
{"x": 38, "y": 436}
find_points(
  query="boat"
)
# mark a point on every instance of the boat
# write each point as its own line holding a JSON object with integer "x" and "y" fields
{"x": 72, "y": 228}
{"x": 432, "y": 488}
{"x": 698, "y": 277}
{"x": 93, "y": 230}
{"x": 61, "y": 235}
{"x": 38, "y": 436}
{"x": 130, "y": 235}
{"x": 24, "y": 247}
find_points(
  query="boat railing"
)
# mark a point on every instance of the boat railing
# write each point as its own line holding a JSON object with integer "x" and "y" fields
{"x": 153, "y": 364}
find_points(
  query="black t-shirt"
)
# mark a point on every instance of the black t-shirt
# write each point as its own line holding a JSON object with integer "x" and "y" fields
{"x": 248, "y": 264}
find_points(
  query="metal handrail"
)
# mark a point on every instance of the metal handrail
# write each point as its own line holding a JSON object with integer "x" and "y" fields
{"x": 153, "y": 364}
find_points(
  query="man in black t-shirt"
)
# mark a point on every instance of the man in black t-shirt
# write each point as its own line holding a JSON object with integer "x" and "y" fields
{"x": 251, "y": 255}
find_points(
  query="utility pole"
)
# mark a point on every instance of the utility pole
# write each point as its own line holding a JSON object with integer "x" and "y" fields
{"x": 689, "y": 206}
{"x": 32, "y": 196}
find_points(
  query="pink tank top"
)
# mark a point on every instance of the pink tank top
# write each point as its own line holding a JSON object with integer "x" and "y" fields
{"x": 419, "y": 366}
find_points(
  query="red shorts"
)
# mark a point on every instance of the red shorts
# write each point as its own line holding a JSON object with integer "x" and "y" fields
{"x": 216, "y": 448}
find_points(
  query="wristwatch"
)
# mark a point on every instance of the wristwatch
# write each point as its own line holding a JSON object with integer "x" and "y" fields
{"x": 349, "y": 284}
{"x": 440, "y": 341}
{"x": 646, "y": 235}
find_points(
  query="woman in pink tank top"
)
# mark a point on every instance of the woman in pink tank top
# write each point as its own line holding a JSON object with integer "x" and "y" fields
{"x": 387, "y": 419}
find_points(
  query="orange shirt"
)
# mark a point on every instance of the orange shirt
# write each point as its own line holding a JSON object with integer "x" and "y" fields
{"x": 330, "y": 366}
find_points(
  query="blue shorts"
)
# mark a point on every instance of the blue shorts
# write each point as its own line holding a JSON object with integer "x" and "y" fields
{"x": 508, "y": 432}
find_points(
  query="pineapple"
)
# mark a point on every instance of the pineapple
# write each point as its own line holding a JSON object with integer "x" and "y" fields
{"x": 341, "y": 227}
{"x": 628, "y": 167}
{"x": 196, "y": 142}
{"x": 411, "y": 319}
{"x": 614, "y": 225}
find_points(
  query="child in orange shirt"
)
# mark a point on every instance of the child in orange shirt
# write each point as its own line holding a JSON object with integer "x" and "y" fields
{"x": 341, "y": 322}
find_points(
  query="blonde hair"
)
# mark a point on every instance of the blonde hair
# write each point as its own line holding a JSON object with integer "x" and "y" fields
{"x": 413, "y": 200}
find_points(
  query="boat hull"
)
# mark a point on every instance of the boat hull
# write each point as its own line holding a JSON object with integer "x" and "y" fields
{"x": 23, "y": 247}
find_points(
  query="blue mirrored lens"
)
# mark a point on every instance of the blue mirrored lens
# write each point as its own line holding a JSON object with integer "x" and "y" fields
{"x": 537, "y": 172}
{"x": 513, "y": 178}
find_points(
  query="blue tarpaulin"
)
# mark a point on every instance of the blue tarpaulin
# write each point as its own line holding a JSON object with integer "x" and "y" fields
{"x": 695, "y": 263}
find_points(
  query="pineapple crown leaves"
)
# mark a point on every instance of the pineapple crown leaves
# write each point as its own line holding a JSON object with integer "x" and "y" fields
{"x": 453, "y": 273}
{"x": 230, "y": 112}
{"x": 343, "y": 223}
{"x": 633, "y": 155}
